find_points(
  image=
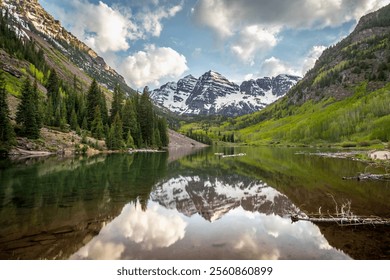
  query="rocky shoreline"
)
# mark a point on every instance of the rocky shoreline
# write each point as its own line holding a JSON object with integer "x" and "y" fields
{"x": 68, "y": 144}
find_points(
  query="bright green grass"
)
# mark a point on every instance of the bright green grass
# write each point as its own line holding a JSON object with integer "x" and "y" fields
{"x": 363, "y": 117}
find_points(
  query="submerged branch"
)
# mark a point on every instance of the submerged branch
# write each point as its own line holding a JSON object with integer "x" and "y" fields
{"x": 343, "y": 216}
{"x": 369, "y": 176}
{"x": 344, "y": 220}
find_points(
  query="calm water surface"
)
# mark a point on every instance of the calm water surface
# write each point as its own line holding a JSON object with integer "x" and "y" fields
{"x": 198, "y": 206}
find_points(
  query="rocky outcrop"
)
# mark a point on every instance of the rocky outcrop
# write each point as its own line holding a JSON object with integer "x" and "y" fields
{"x": 31, "y": 17}
{"x": 214, "y": 94}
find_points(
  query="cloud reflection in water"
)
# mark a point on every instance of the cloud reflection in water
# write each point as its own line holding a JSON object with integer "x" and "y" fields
{"x": 154, "y": 228}
{"x": 210, "y": 218}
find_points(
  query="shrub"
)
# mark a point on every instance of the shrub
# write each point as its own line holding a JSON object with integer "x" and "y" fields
{"x": 348, "y": 144}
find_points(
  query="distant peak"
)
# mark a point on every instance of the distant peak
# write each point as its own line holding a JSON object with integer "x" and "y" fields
{"x": 213, "y": 75}
{"x": 189, "y": 77}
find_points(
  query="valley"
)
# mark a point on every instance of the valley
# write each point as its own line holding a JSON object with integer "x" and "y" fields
{"x": 154, "y": 157}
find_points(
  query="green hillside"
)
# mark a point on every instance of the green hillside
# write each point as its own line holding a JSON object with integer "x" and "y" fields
{"x": 40, "y": 88}
{"x": 344, "y": 98}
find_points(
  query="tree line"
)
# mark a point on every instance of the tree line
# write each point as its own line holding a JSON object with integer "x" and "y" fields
{"x": 130, "y": 123}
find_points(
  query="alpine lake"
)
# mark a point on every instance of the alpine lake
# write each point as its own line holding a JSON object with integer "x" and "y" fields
{"x": 190, "y": 205}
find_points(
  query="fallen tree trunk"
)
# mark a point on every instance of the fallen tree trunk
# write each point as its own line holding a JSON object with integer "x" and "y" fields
{"x": 354, "y": 220}
{"x": 368, "y": 176}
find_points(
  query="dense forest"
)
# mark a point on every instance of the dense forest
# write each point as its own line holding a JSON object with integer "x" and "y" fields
{"x": 131, "y": 122}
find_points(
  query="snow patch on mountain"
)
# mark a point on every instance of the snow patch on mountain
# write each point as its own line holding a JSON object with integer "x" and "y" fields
{"x": 213, "y": 94}
{"x": 213, "y": 197}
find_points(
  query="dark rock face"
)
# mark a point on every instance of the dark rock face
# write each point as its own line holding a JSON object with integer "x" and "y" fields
{"x": 33, "y": 19}
{"x": 213, "y": 94}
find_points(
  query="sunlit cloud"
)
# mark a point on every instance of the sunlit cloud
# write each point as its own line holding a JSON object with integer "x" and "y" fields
{"x": 155, "y": 228}
{"x": 152, "y": 64}
{"x": 273, "y": 66}
{"x": 253, "y": 26}
{"x": 311, "y": 58}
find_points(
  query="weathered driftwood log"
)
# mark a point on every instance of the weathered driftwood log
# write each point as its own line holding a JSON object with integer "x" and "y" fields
{"x": 368, "y": 176}
{"x": 356, "y": 220}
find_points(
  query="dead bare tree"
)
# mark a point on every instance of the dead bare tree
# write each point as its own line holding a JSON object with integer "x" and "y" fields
{"x": 343, "y": 216}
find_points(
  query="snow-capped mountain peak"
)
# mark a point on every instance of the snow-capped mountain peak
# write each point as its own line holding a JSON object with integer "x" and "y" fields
{"x": 213, "y": 197}
{"x": 214, "y": 94}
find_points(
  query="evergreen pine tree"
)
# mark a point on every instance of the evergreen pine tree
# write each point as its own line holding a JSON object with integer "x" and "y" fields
{"x": 36, "y": 104}
{"x": 92, "y": 101}
{"x": 117, "y": 103}
{"x": 109, "y": 138}
{"x": 7, "y": 134}
{"x": 27, "y": 115}
{"x": 163, "y": 131}
{"x": 145, "y": 117}
{"x": 129, "y": 140}
{"x": 97, "y": 127}
{"x": 157, "y": 138}
{"x": 84, "y": 123}
{"x": 53, "y": 106}
{"x": 49, "y": 112}
{"x": 73, "y": 120}
{"x": 129, "y": 119}
{"x": 117, "y": 136}
{"x": 95, "y": 98}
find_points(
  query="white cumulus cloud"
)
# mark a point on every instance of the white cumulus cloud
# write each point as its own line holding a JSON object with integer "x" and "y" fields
{"x": 110, "y": 28}
{"x": 135, "y": 228}
{"x": 100, "y": 26}
{"x": 151, "y": 21}
{"x": 147, "y": 67}
{"x": 273, "y": 66}
{"x": 254, "y": 25}
{"x": 311, "y": 58}
{"x": 252, "y": 39}
{"x": 292, "y": 14}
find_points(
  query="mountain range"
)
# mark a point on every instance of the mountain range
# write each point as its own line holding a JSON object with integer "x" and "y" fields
{"x": 214, "y": 94}
{"x": 343, "y": 99}
{"x": 214, "y": 196}
{"x": 64, "y": 52}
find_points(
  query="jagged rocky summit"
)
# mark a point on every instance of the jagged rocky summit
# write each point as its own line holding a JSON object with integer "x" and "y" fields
{"x": 33, "y": 22}
{"x": 213, "y": 94}
{"x": 212, "y": 197}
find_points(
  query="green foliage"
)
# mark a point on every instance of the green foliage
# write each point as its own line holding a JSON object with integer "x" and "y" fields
{"x": 95, "y": 98}
{"x": 163, "y": 132}
{"x": 382, "y": 19}
{"x": 363, "y": 117}
{"x": 200, "y": 136}
{"x": 129, "y": 140}
{"x": 330, "y": 76}
{"x": 7, "y": 134}
{"x": 21, "y": 49}
{"x": 27, "y": 115}
{"x": 146, "y": 118}
{"x": 114, "y": 140}
{"x": 67, "y": 106}
{"x": 360, "y": 117}
{"x": 73, "y": 121}
{"x": 38, "y": 75}
{"x": 117, "y": 103}
{"x": 97, "y": 128}
{"x": 130, "y": 120}
{"x": 12, "y": 84}
{"x": 348, "y": 144}
{"x": 140, "y": 125}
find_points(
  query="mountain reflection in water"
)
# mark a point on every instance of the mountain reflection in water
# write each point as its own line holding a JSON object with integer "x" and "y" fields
{"x": 210, "y": 218}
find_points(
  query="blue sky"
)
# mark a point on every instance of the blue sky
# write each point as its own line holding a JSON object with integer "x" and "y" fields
{"x": 151, "y": 42}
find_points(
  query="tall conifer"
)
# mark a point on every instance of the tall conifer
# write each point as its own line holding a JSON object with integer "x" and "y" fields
{"x": 7, "y": 134}
{"x": 27, "y": 115}
{"x": 117, "y": 103}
